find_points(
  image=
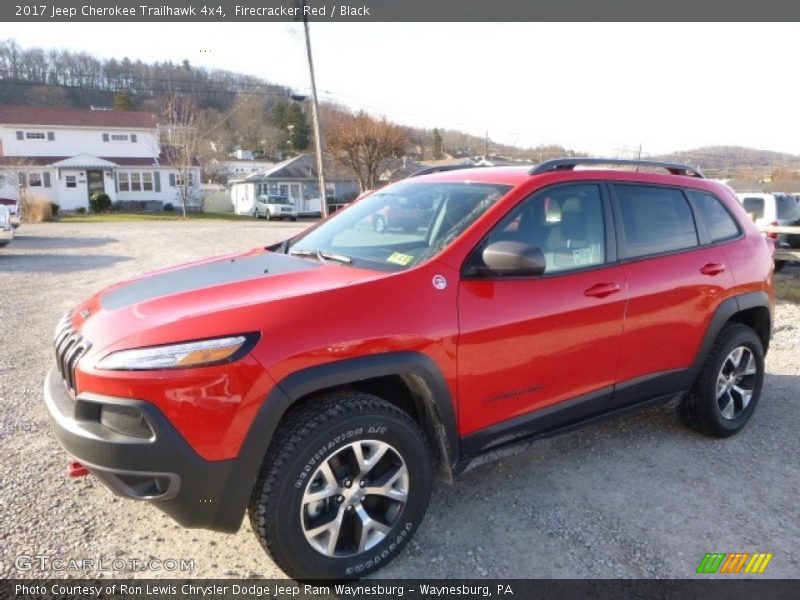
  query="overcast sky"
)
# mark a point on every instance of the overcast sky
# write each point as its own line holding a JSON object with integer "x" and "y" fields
{"x": 604, "y": 88}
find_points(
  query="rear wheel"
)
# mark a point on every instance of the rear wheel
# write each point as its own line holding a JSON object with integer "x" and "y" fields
{"x": 780, "y": 264}
{"x": 727, "y": 390}
{"x": 343, "y": 489}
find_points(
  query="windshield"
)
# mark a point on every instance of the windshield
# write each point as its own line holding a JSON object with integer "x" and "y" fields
{"x": 273, "y": 200}
{"x": 788, "y": 208}
{"x": 399, "y": 226}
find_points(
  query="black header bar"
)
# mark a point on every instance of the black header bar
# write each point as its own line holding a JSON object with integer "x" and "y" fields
{"x": 368, "y": 11}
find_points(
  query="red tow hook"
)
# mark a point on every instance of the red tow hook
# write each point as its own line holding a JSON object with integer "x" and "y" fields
{"x": 76, "y": 469}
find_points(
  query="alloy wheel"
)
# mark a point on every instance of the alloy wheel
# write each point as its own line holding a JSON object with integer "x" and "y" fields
{"x": 354, "y": 498}
{"x": 736, "y": 382}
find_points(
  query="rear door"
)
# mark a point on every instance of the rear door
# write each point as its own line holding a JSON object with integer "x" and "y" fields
{"x": 528, "y": 344}
{"x": 676, "y": 278}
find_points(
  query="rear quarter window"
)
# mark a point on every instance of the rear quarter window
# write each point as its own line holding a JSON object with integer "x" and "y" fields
{"x": 720, "y": 224}
{"x": 655, "y": 220}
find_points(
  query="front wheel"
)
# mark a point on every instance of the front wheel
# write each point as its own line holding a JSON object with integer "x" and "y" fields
{"x": 343, "y": 488}
{"x": 727, "y": 390}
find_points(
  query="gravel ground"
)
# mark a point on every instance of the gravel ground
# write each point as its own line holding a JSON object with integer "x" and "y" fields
{"x": 636, "y": 497}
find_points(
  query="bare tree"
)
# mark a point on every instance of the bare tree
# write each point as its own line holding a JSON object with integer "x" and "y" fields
{"x": 364, "y": 143}
{"x": 180, "y": 143}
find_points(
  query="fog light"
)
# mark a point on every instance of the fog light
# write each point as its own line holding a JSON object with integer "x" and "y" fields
{"x": 126, "y": 420}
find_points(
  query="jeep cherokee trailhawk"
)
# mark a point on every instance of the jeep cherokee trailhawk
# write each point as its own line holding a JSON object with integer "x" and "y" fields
{"x": 320, "y": 383}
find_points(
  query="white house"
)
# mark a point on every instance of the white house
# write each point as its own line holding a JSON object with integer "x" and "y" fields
{"x": 67, "y": 154}
{"x": 295, "y": 179}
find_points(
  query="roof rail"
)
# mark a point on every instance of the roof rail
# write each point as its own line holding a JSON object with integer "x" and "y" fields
{"x": 568, "y": 164}
{"x": 441, "y": 168}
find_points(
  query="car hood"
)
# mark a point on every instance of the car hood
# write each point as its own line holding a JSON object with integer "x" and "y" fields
{"x": 184, "y": 302}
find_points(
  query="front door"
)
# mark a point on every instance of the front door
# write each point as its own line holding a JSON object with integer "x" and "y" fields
{"x": 535, "y": 351}
{"x": 295, "y": 197}
{"x": 94, "y": 182}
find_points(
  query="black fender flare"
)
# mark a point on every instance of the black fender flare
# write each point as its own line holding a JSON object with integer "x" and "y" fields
{"x": 431, "y": 397}
{"x": 724, "y": 312}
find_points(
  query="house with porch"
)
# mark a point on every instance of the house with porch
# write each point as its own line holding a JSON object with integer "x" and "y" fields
{"x": 295, "y": 179}
{"x": 65, "y": 155}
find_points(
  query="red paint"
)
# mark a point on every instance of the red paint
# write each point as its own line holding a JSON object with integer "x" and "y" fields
{"x": 533, "y": 342}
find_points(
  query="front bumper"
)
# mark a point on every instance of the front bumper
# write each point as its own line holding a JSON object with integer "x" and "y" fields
{"x": 161, "y": 468}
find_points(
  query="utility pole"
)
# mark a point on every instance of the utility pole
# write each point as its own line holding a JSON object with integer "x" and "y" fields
{"x": 315, "y": 117}
{"x": 486, "y": 145}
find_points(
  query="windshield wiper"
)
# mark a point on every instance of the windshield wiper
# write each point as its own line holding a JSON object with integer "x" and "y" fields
{"x": 323, "y": 256}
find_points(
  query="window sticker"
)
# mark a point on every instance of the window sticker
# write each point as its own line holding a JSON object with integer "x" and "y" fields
{"x": 399, "y": 258}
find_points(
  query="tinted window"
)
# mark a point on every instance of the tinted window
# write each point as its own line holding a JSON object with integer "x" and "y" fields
{"x": 788, "y": 208}
{"x": 720, "y": 224}
{"x": 655, "y": 220}
{"x": 565, "y": 222}
{"x": 754, "y": 206}
{"x": 399, "y": 226}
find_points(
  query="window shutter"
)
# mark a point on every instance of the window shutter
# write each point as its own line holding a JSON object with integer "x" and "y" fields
{"x": 51, "y": 136}
{"x": 23, "y": 181}
{"x": 46, "y": 178}
{"x": 105, "y": 137}
{"x": 20, "y": 135}
{"x": 157, "y": 181}
{"x": 116, "y": 182}
{"x": 133, "y": 138}
{"x": 172, "y": 179}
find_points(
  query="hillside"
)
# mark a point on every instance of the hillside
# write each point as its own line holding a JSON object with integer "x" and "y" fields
{"x": 251, "y": 113}
{"x": 738, "y": 162}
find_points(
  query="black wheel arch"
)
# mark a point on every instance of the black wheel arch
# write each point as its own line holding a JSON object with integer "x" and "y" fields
{"x": 425, "y": 393}
{"x": 753, "y": 309}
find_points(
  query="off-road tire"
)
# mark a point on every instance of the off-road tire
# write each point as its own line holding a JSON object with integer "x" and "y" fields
{"x": 700, "y": 409}
{"x": 309, "y": 437}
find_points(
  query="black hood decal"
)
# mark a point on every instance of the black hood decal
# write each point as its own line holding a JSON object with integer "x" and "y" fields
{"x": 203, "y": 276}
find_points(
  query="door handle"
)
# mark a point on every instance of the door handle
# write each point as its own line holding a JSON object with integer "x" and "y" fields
{"x": 601, "y": 290}
{"x": 712, "y": 269}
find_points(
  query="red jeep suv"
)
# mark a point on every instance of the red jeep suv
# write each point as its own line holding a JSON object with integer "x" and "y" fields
{"x": 320, "y": 383}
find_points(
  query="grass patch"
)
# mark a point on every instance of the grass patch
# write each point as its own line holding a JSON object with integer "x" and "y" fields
{"x": 117, "y": 217}
{"x": 788, "y": 288}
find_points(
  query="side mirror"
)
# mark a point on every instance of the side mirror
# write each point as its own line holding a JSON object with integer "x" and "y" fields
{"x": 514, "y": 258}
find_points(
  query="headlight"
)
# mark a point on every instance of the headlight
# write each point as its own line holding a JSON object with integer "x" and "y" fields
{"x": 179, "y": 356}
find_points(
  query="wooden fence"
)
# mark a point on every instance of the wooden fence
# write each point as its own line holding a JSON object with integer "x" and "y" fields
{"x": 784, "y": 253}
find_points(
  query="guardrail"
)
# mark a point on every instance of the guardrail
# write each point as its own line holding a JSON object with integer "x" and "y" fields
{"x": 783, "y": 253}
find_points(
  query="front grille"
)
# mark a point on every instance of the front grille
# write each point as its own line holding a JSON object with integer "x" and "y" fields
{"x": 70, "y": 347}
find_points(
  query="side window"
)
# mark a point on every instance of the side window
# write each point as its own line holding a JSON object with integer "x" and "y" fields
{"x": 719, "y": 222}
{"x": 655, "y": 220}
{"x": 754, "y": 206}
{"x": 565, "y": 222}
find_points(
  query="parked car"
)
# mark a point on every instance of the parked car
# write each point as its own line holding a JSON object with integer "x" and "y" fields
{"x": 320, "y": 383}
{"x": 398, "y": 212}
{"x": 13, "y": 207}
{"x": 774, "y": 209}
{"x": 6, "y": 228}
{"x": 275, "y": 207}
